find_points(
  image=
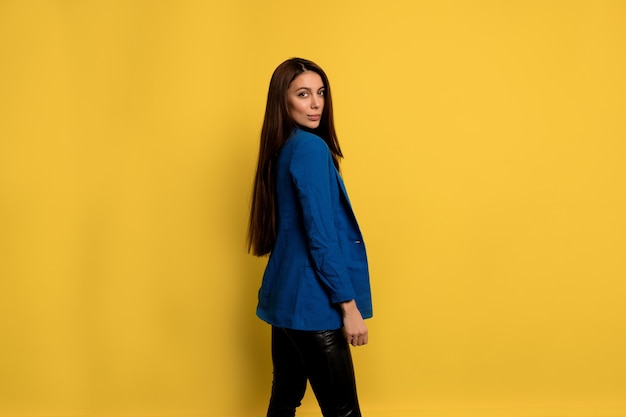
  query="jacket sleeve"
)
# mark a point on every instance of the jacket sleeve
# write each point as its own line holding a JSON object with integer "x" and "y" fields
{"x": 312, "y": 172}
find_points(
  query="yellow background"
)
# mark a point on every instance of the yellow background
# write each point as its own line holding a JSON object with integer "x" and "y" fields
{"x": 485, "y": 157}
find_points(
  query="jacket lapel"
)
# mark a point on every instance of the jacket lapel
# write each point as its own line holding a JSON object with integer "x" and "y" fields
{"x": 346, "y": 199}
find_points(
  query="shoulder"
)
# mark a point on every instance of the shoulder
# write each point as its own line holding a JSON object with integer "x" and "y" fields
{"x": 308, "y": 142}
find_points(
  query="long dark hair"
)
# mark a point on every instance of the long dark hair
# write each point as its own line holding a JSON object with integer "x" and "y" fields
{"x": 277, "y": 127}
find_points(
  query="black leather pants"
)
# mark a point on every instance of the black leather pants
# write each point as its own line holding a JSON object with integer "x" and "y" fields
{"x": 321, "y": 357}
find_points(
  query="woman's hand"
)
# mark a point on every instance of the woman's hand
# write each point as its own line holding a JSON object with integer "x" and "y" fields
{"x": 353, "y": 324}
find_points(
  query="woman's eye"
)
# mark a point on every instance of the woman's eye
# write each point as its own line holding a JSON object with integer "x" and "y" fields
{"x": 303, "y": 94}
{"x": 321, "y": 93}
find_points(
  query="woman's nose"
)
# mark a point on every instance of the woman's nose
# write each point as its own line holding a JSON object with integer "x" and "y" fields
{"x": 315, "y": 102}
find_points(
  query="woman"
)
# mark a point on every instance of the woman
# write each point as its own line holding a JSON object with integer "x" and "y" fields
{"x": 315, "y": 291}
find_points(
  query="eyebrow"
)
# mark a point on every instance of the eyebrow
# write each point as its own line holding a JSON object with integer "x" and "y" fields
{"x": 309, "y": 89}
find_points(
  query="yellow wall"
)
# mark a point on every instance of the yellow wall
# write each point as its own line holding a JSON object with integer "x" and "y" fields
{"x": 485, "y": 156}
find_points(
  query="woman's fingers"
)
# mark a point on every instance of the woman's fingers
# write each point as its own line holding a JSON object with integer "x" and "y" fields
{"x": 358, "y": 339}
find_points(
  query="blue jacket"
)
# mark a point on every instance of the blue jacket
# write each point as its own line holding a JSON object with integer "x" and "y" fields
{"x": 319, "y": 257}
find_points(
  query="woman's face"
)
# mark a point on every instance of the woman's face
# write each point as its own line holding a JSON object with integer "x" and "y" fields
{"x": 305, "y": 99}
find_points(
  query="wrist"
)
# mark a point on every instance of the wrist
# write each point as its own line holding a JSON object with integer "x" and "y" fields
{"x": 348, "y": 306}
